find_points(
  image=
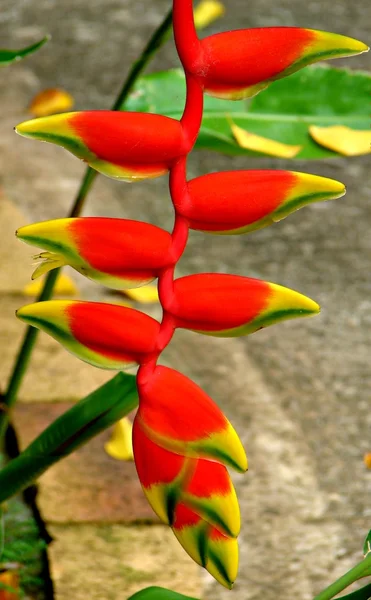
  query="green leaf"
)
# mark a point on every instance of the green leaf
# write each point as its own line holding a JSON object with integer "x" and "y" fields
{"x": 106, "y": 405}
{"x": 9, "y": 56}
{"x": 159, "y": 593}
{"x": 316, "y": 95}
{"x": 361, "y": 594}
{"x": 367, "y": 544}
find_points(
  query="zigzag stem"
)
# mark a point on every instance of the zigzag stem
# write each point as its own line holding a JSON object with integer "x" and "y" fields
{"x": 191, "y": 123}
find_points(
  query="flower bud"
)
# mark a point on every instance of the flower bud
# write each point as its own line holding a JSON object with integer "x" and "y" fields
{"x": 118, "y": 253}
{"x": 104, "y": 335}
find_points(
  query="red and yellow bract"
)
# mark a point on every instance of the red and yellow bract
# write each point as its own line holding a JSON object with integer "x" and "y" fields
{"x": 119, "y": 253}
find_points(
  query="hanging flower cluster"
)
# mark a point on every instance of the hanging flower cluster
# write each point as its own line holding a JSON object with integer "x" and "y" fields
{"x": 182, "y": 441}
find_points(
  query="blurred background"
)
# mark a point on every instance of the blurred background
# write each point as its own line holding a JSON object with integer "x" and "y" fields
{"x": 298, "y": 393}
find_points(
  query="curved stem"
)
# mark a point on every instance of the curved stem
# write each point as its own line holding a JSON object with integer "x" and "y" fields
{"x": 363, "y": 569}
{"x": 187, "y": 43}
{"x": 20, "y": 366}
{"x": 193, "y": 110}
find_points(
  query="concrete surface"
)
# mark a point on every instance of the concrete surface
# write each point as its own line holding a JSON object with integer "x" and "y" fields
{"x": 298, "y": 393}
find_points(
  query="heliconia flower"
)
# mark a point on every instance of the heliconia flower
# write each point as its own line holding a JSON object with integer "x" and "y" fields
{"x": 193, "y": 495}
{"x": 104, "y": 335}
{"x": 118, "y": 253}
{"x": 200, "y": 431}
{"x": 124, "y": 145}
{"x": 234, "y": 202}
{"x": 239, "y": 64}
{"x": 231, "y": 305}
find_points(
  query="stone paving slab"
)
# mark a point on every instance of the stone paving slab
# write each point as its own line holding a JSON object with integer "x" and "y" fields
{"x": 94, "y": 487}
{"x": 112, "y": 562}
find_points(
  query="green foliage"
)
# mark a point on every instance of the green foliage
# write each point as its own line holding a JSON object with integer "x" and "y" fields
{"x": 367, "y": 544}
{"x": 23, "y": 547}
{"x": 159, "y": 593}
{"x": 7, "y": 57}
{"x": 362, "y": 594}
{"x": 106, "y": 405}
{"x": 317, "y": 95}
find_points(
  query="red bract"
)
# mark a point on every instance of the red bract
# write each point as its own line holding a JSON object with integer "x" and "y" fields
{"x": 105, "y": 335}
{"x": 239, "y": 64}
{"x": 230, "y": 305}
{"x": 122, "y": 145}
{"x": 199, "y": 431}
{"x": 234, "y": 202}
{"x": 115, "y": 252}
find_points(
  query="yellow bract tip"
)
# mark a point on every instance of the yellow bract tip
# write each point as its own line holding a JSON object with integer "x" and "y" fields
{"x": 44, "y": 126}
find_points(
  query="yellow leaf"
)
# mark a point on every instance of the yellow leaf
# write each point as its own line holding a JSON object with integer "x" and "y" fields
{"x": 208, "y": 11}
{"x": 9, "y": 579}
{"x": 64, "y": 286}
{"x": 341, "y": 139}
{"x": 147, "y": 294}
{"x": 367, "y": 460}
{"x": 49, "y": 102}
{"x": 257, "y": 143}
{"x": 120, "y": 446}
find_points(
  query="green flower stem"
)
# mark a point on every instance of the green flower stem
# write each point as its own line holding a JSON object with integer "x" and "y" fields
{"x": 362, "y": 569}
{"x": 158, "y": 38}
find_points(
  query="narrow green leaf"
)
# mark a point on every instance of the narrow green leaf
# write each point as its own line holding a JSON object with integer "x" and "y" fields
{"x": 367, "y": 544}
{"x": 361, "y": 594}
{"x": 106, "y": 405}
{"x": 159, "y": 593}
{"x": 316, "y": 95}
{"x": 9, "y": 56}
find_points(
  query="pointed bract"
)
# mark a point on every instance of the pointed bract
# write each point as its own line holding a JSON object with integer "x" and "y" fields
{"x": 236, "y": 202}
{"x": 230, "y": 305}
{"x": 201, "y": 431}
{"x": 104, "y": 335}
{"x": 124, "y": 145}
{"x": 118, "y": 253}
{"x": 239, "y": 64}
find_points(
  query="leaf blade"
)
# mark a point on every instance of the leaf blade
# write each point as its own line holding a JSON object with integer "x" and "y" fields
{"x": 317, "y": 95}
{"x": 100, "y": 409}
{"x": 159, "y": 593}
{"x": 7, "y": 57}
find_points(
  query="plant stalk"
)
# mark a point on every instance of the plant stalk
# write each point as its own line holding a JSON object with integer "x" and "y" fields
{"x": 362, "y": 569}
{"x": 158, "y": 38}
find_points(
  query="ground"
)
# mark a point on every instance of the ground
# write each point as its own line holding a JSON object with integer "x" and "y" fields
{"x": 298, "y": 393}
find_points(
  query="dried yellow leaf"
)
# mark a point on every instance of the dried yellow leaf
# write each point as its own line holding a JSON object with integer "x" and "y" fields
{"x": 367, "y": 460}
{"x": 120, "y": 446}
{"x": 147, "y": 294}
{"x": 49, "y": 102}
{"x": 257, "y": 143}
{"x": 64, "y": 285}
{"x": 207, "y": 12}
{"x": 10, "y": 581}
{"x": 342, "y": 139}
